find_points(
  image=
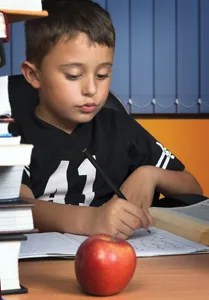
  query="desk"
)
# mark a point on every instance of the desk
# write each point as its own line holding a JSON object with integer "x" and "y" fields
{"x": 184, "y": 277}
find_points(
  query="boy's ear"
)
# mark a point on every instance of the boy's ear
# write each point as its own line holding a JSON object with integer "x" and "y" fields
{"x": 31, "y": 74}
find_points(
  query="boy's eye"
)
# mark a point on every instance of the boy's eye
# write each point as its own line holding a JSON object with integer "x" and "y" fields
{"x": 103, "y": 76}
{"x": 72, "y": 77}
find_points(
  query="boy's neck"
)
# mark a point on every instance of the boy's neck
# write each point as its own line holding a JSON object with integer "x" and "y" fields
{"x": 68, "y": 128}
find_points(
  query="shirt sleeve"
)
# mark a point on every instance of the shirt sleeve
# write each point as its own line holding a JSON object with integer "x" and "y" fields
{"x": 144, "y": 149}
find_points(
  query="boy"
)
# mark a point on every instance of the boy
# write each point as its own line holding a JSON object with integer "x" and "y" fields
{"x": 69, "y": 57}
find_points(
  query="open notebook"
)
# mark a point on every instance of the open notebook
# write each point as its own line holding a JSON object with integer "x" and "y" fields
{"x": 156, "y": 243}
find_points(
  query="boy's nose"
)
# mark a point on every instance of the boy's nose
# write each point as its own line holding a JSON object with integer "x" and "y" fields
{"x": 89, "y": 86}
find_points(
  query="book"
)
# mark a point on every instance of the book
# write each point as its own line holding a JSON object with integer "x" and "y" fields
{"x": 9, "y": 140}
{"x": 9, "y": 268}
{"x": 191, "y": 222}
{"x": 4, "y": 28}
{"x": 6, "y": 138}
{"x": 156, "y": 243}
{"x": 10, "y": 182}
{"x": 17, "y": 154}
{"x": 16, "y": 217}
{"x": 13, "y": 158}
{"x": 4, "y": 126}
{"x": 34, "y": 5}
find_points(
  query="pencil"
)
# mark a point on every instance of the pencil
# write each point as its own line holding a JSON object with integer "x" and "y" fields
{"x": 103, "y": 175}
{"x": 106, "y": 178}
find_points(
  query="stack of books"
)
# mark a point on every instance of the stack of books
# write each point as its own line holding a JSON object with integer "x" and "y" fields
{"x": 13, "y": 157}
{"x": 6, "y": 137}
{"x": 35, "y": 5}
{"x": 15, "y": 221}
{"x": 16, "y": 217}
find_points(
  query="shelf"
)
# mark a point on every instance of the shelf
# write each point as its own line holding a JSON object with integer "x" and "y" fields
{"x": 23, "y": 15}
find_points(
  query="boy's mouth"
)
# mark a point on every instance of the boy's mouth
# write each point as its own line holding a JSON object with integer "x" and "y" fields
{"x": 88, "y": 108}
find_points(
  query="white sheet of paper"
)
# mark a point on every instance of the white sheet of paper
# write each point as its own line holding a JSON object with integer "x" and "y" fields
{"x": 156, "y": 243}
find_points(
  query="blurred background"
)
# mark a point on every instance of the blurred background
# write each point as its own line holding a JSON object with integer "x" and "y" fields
{"x": 161, "y": 72}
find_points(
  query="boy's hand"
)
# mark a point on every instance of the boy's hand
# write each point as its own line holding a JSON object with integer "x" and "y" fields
{"x": 120, "y": 218}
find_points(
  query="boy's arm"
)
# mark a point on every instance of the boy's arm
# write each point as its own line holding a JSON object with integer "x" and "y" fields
{"x": 116, "y": 217}
{"x": 49, "y": 216}
{"x": 171, "y": 183}
{"x": 140, "y": 186}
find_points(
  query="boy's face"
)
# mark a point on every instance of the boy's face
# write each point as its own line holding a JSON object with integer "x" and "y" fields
{"x": 74, "y": 81}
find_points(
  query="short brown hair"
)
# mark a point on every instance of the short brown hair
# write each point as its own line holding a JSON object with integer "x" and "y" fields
{"x": 66, "y": 19}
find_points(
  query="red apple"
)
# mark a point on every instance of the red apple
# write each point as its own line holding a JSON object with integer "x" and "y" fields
{"x": 104, "y": 265}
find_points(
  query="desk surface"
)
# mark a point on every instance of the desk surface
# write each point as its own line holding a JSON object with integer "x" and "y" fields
{"x": 184, "y": 277}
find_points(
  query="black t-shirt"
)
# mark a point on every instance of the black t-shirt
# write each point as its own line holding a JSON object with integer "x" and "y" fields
{"x": 59, "y": 170}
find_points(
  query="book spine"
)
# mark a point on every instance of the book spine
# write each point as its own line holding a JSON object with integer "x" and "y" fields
{"x": 5, "y": 135}
{"x": 13, "y": 237}
{"x": 21, "y": 290}
{"x": 9, "y": 200}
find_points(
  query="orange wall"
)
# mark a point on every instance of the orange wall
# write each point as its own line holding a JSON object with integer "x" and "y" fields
{"x": 186, "y": 138}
